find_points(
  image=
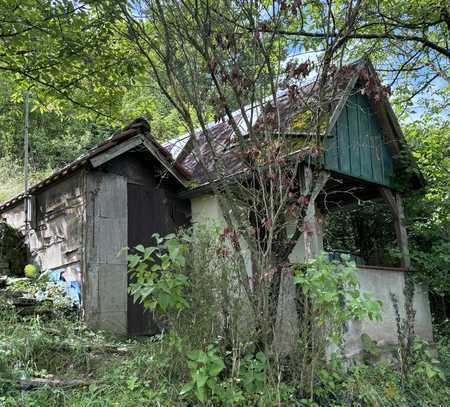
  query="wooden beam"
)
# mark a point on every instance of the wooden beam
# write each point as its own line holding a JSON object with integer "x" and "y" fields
{"x": 395, "y": 203}
{"x": 115, "y": 151}
{"x": 130, "y": 144}
{"x": 342, "y": 101}
{"x": 165, "y": 163}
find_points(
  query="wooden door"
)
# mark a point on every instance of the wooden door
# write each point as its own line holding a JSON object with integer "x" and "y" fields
{"x": 146, "y": 216}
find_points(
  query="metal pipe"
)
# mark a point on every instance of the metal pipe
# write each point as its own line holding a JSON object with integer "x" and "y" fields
{"x": 26, "y": 159}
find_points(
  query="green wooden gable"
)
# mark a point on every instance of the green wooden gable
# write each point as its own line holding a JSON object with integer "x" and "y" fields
{"x": 356, "y": 145}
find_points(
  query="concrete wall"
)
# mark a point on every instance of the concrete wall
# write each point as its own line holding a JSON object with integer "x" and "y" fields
{"x": 55, "y": 241}
{"x": 381, "y": 283}
{"x": 105, "y": 273}
{"x": 205, "y": 208}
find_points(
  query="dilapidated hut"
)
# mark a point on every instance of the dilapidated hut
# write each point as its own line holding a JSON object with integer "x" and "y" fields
{"x": 82, "y": 217}
{"x": 122, "y": 191}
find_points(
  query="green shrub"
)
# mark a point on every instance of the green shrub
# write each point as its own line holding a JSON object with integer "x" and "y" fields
{"x": 31, "y": 271}
{"x": 191, "y": 280}
{"x": 12, "y": 250}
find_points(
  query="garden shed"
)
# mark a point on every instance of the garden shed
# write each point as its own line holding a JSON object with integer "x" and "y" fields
{"x": 122, "y": 191}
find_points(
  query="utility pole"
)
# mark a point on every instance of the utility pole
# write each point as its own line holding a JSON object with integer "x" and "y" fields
{"x": 25, "y": 167}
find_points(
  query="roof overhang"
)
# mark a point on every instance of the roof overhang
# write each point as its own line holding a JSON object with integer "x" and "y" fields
{"x": 139, "y": 140}
{"x": 101, "y": 155}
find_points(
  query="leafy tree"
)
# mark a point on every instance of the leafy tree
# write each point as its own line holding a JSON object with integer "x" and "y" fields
{"x": 429, "y": 215}
{"x": 63, "y": 50}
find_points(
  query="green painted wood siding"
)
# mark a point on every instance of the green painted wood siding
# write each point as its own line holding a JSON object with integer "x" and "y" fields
{"x": 356, "y": 145}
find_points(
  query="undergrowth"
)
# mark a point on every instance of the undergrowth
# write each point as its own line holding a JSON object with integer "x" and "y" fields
{"x": 206, "y": 354}
{"x": 154, "y": 371}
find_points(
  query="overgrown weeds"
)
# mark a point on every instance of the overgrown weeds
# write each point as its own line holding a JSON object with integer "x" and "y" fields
{"x": 208, "y": 353}
{"x": 155, "y": 371}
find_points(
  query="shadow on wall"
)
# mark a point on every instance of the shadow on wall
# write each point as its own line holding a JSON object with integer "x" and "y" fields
{"x": 13, "y": 251}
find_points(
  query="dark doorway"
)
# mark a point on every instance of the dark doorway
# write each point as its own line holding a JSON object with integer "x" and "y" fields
{"x": 151, "y": 209}
{"x": 145, "y": 217}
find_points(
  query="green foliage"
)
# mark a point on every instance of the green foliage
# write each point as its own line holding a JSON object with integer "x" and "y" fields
{"x": 158, "y": 274}
{"x": 366, "y": 231}
{"x": 205, "y": 368}
{"x": 190, "y": 280}
{"x": 378, "y": 385}
{"x": 44, "y": 297}
{"x": 253, "y": 373}
{"x": 424, "y": 364}
{"x": 429, "y": 214}
{"x": 370, "y": 349}
{"x": 405, "y": 327}
{"x": 31, "y": 271}
{"x": 212, "y": 382}
{"x": 158, "y": 371}
{"x": 13, "y": 252}
{"x": 333, "y": 290}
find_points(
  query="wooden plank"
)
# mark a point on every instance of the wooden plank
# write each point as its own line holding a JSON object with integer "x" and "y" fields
{"x": 355, "y": 153}
{"x": 388, "y": 165}
{"x": 151, "y": 209}
{"x": 115, "y": 151}
{"x": 342, "y": 102}
{"x": 381, "y": 268}
{"x": 344, "y": 142}
{"x": 376, "y": 139}
{"x": 356, "y": 145}
{"x": 166, "y": 164}
{"x": 364, "y": 137}
{"x": 331, "y": 151}
{"x": 395, "y": 203}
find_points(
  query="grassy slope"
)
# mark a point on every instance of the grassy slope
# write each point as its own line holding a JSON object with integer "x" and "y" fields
{"x": 122, "y": 372}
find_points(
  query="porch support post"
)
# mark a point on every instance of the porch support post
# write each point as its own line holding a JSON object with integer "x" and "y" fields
{"x": 311, "y": 229}
{"x": 396, "y": 205}
{"x": 287, "y": 323}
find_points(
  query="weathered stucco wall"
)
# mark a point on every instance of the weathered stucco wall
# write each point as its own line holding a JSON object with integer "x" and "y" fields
{"x": 55, "y": 240}
{"x": 381, "y": 283}
{"x": 205, "y": 208}
{"x": 104, "y": 285}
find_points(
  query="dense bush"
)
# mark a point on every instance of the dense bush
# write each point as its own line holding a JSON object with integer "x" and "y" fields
{"x": 207, "y": 353}
{"x": 221, "y": 367}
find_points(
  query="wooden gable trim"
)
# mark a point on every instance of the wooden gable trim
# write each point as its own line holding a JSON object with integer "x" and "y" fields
{"x": 341, "y": 104}
{"x": 116, "y": 151}
{"x": 164, "y": 162}
{"x": 128, "y": 145}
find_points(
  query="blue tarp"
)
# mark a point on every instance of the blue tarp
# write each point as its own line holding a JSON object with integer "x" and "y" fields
{"x": 72, "y": 288}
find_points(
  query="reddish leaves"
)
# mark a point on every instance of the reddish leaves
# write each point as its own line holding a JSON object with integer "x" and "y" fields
{"x": 298, "y": 71}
